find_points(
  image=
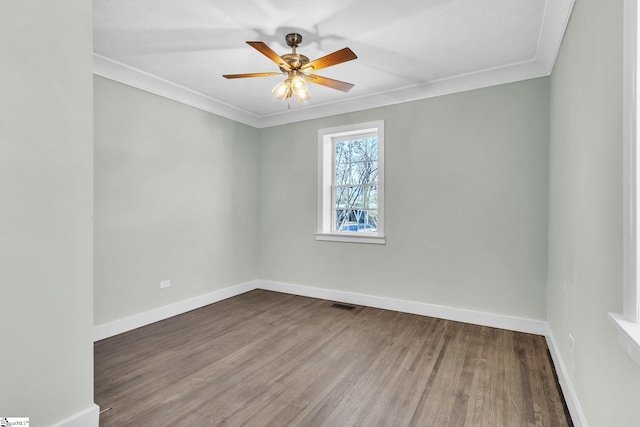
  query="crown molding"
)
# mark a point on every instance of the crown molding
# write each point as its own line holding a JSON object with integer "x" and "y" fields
{"x": 122, "y": 73}
{"x": 463, "y": 83}
{"x": 556, "y": 18}
{"x": 554, "y": 24}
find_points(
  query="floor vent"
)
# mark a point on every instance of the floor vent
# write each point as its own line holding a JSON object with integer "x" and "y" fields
{"x": 344, "y": 306}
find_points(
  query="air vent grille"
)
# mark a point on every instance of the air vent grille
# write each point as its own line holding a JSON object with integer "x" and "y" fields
{"x": 343, "y": 306}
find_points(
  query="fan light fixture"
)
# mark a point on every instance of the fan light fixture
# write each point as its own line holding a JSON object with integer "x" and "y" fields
{"x": 293, "y": 85}
{"x": 296, "y": 66}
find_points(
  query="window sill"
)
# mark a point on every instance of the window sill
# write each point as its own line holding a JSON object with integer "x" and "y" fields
{"x": 628, "y": 335}
{"x": 351, "y": 238}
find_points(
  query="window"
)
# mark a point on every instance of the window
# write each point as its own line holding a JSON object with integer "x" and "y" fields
{"x": 628, "y": 322}
{"x": 351, "y": 183}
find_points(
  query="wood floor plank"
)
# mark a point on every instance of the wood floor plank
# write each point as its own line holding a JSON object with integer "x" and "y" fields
{"x": 270, "y": 359}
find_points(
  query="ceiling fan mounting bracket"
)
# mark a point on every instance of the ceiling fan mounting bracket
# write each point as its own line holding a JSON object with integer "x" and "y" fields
{"x": 293, "y": 39}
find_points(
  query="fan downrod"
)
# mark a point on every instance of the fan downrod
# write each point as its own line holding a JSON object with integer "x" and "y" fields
{"x": 294, "y": 59}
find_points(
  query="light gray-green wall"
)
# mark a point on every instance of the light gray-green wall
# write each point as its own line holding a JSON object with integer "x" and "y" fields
{"x": 46, "y": 198}
{"x": 466, "y": 189}
{"x": 585, "y": 214}
{"x": 176, "y": 198}
{"x": 485, "y": 190}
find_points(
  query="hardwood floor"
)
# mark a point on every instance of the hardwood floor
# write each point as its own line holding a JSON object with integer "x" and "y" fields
{"x": 270, "y": 359}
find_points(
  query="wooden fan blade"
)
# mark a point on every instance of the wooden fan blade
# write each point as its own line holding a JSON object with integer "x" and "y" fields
{"x": 242, "y": 76}
{"x": 337, "y": 57}
{"x": 269, "y": 53}
{"x": 333, "y": 84}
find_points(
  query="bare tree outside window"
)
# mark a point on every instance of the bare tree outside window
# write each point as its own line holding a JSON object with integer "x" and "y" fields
{"x": 355, "y": 188}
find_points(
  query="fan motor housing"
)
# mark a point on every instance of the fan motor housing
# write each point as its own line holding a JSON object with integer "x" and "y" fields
{"x": 295, "y": 60}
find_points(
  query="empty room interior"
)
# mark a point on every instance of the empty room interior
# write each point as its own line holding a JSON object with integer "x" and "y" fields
{"x": 149, "y": 202}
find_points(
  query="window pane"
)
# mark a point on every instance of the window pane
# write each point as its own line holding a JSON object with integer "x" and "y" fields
{"x": 341, "y": 218}
{"x": 364, "y": 172}
{"x": 354, "y": 174}
{"x": 372, "y": 148}
{"x": 343, "y": 172}
{"x": 346, "y": 221}
{"x": 342, "y": 197}
{"x": 372, "y": 220}
{"x": 371, "y": 198}
{"x": 342, "y": 151}
{"x": 359, "y": 150}
{"x": 369, "y": 224}
{"x": 372, "y": 173}
{"x": 357, "y": 197}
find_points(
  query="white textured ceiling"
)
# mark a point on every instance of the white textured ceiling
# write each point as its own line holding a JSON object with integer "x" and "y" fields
{"x": 407, "y": 49}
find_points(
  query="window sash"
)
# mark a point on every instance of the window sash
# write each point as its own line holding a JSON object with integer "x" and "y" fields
{"x": 334, "y": 205}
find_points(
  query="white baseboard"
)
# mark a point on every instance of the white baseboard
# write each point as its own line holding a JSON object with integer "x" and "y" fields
{"x": 519, "y": 324}
{"x": 119, "y": 326}
{"x": 532, "y": 326}
{"x": 87, "y": 418}
{"x": 577, "y": 416}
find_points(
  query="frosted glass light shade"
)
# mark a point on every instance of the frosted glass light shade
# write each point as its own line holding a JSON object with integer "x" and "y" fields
{"x": 298, "y": 85}
{"x": 295, "y": 85}
{"x": 282, "y": 90}
{"x": 303, "y": 96}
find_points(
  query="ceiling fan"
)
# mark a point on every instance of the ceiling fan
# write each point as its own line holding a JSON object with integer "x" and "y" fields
{"x": 297, "y": 68}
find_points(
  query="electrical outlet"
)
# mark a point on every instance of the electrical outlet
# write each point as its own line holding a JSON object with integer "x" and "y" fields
{"x": 571, "y": 342}
{"x": 165, "y": 284}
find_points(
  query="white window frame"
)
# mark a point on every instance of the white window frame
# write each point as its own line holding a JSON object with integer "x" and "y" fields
{"x": 326, "y": 170}
{"x": 628, "y": 323}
